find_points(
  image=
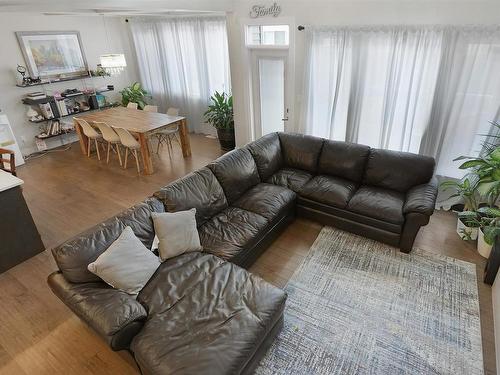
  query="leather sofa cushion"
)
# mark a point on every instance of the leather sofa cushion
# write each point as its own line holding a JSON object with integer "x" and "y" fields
{"x": 301, "y": 151}
{"x": 343, "y": 159}
{"x": 382, "y": 204}
{"x": 290, "y": 178}
{"x": 267, "y": 200}
{"x": 107, "y": 310}
{"x": 231, "y": 231}
{"x": 75, "y": 255}
{"x": 266, "y": 152}
{"x": 330, "y": 190}
{"x": 318, "y": 211}
{"x": 398, "y": 171}
{"x": 236, "y": 172}
{"x": 199, "y": 190}
{"x": 206, "y": 316}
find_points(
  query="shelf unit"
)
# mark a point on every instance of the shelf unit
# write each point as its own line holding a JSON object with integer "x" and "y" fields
{"x": 73, "y": 114}
{"x": 56, "y": 81}
{"x": 54, "y": 135}
{"x": 53, "y": 100}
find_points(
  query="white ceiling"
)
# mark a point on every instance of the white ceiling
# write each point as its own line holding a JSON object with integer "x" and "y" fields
{"x": 115, "y": 7}
{"x": 162, "y": 7}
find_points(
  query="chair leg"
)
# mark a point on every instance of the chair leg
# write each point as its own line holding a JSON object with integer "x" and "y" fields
{"x": 137, "y": 162}
{"x": 126, "y": 158}
{"x": 158, "y": 137}
{"x": 97, "y": 149}
{"x": 107, "y": 156}
{"x": 119, "y": 154}
{"x": 88, "y": 147}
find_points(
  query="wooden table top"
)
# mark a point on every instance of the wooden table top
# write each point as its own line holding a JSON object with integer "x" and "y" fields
{"x": 132, "y": 119}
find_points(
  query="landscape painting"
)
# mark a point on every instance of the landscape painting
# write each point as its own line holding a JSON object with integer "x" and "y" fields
{"x": 53, "y": 54}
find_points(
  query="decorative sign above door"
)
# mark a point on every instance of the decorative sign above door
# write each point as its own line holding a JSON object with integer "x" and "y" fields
{"x": 258, "y": 11}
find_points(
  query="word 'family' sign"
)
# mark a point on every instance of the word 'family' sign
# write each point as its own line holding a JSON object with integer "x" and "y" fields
{"x": 263, "y": 11}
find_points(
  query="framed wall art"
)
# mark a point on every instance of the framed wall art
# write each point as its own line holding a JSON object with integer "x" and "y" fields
{"x": 53, "y": 54}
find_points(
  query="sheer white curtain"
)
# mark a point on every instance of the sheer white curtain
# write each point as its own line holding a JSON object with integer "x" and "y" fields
{"x": 427, "y": 90}
{"x": 182, "y": 61}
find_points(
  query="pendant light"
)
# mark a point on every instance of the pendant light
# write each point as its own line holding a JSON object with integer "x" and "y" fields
{"x": 113, "y": 63}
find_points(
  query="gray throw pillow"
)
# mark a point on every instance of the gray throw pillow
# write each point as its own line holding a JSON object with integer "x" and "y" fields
{"x": 177, "y": 233}
{"x": 127, "y": 264}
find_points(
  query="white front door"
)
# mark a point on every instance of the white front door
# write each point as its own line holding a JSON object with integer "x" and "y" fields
{"x": 269, "y": 88}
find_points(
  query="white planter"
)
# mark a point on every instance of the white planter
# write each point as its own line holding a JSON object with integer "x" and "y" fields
{"x": 465, "y": 232}
{"x": 482, "y": 247}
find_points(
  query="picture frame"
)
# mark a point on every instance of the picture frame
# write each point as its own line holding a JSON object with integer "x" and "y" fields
{"x": 53, "y": 54}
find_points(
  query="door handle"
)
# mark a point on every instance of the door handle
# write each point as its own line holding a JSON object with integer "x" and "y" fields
{"x": 284, "y": 119}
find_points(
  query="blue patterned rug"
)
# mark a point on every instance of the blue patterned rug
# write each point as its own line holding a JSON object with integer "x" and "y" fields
{"x": 356, "y": 306}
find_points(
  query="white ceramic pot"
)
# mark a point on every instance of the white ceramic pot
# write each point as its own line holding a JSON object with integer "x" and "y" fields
{"x": 482, "y": 247}
{"x": 465, "y": 232}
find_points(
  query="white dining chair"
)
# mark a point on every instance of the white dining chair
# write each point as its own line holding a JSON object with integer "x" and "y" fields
{"x": 130, "y": 143}
{"x": 91, "y": 134}
{"x": 112, "y": 139}
{"x": 165, "y": 136}
{"x": 132, "y": 105}
{"x": 151, "y": 108}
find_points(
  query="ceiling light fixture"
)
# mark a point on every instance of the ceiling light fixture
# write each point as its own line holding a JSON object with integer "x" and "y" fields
{"x": 113, "y": 63}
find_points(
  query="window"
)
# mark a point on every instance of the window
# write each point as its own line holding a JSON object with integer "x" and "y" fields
{"x": 427, "y": 90}
{"x": 268, "y": 35}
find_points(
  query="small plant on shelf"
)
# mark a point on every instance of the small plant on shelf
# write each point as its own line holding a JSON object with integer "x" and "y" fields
{"x": 135, "y": 93}
{"x": 99, "y": 72}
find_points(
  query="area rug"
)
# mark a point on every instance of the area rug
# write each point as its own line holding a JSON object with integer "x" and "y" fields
{"x": 356, "y": 306}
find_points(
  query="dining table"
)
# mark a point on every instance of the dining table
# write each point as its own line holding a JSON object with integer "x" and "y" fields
{"x": 141, "y": 124}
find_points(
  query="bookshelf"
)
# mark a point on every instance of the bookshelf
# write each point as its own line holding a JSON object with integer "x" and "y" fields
{"x": 55, "y": 106}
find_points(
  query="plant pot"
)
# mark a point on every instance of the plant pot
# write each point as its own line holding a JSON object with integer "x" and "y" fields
{"x": 466, "y": 233}
{"x": 482, "y": 247}
{"x": 226, "y": 139}
{"x": 457, "y": 208}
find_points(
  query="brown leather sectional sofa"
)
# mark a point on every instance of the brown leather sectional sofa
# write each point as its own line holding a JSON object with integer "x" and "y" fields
{"x": 200, "y": 312}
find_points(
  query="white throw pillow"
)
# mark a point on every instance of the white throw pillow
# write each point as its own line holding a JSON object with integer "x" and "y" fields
{"x": 177, "y": 233}
{"x": 127, "y": 264}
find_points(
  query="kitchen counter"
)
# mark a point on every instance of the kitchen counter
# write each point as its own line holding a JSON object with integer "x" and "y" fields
{"x": 8, "y": 181}
{"x": 19, "y": 237}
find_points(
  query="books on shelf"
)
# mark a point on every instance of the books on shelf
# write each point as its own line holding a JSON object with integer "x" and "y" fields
{"x": 46, "y": 110}
{"x": 63, "y": 108}
{"x": 36, "y": 95}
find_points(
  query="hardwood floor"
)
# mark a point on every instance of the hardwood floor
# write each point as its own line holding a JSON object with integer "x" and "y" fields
{"x": 68, "y": 193}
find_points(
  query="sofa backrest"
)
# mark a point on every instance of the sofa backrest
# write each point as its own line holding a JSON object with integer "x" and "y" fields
{"x": 236, "y": 172}
{"x": 301, "y": 151}
{"x": 75, "y": 255}
{"x": 266, "y": 152}
{"x": 398, "y": 171}
{"x": 343, "y": 159}
{"x": 199, "y": 189}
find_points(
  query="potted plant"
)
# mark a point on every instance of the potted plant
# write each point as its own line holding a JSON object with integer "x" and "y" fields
{"x": 467, "y": 223}
{"x": 489, "y": 230}
{"x": 220, "y": 115}
{"x": 134, "y": 94}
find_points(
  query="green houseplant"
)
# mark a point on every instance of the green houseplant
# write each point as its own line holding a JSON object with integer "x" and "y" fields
{"x": 134, "y": 94}
{"x": 466, "y": 189}
{"x": 220, "y": 115}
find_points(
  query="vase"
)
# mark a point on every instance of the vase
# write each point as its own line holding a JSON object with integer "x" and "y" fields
{"x": 483, "y": 248}
{"x": 465, "y": 232}
{"x": 226, "y": 139}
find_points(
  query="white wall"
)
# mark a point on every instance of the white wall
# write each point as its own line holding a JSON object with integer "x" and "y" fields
{"x": 95, "y": 43}
{"x": 332, "y": 12}
{"x": 495, "y": 290}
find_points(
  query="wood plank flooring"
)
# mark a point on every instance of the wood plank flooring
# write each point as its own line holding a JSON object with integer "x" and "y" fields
{"x": 68, "y": 193}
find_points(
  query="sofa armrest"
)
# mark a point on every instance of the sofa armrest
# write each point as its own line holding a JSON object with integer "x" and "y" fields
{"x": 421, "y": 198}
{"x": 114, "y": 315}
